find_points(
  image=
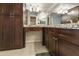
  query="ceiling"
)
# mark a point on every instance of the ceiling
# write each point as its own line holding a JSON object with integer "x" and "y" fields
{"x": 64, "y": 7}
{"x": 54, "y": 7}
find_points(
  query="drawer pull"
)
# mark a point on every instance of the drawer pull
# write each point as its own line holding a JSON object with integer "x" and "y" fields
{"x": 55, "y": 39}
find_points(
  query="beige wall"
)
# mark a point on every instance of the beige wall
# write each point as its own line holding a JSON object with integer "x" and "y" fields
{"x": 34, "y": 36}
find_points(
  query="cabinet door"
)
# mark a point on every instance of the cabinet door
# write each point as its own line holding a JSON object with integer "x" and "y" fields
{"x": 11, "y": 8}
{"x": 18, "y": 8}
{"x": 52, "y": 43}
{"x": 46, "y": 40}
{"x": 54, "y": 46}
{"x": 19, "y": 42}
{"x": 51, "y": 47}
{"x": 68, "y": 48}
{"x": 1, "y": 8}
{"x": 16, "y": 32}
{"x": 1, "y": 43}
{"x": 11, "y": 28}
{"x": 6, "y": 32}
{"x": 44, "y": 36}
{"x": 57, "y": 46}
{"x": 12, "y": 33}
{"x": 6, "y": 8}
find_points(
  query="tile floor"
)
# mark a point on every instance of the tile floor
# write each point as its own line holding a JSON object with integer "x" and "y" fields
{"x": 39, "y": 48}
{"x": 31, "y": 49}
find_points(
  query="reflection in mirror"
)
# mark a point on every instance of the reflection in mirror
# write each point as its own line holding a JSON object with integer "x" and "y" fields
{"x": 73, "y": 15}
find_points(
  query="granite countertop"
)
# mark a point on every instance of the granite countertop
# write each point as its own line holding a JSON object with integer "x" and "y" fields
{"x": 49, "y": 26}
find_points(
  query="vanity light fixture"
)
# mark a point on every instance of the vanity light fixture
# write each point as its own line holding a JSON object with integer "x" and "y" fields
{"x": 32, "y": 7}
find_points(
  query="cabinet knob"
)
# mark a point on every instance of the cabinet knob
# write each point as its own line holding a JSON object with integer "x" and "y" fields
{"x": 11, "y": 14}
{"x": 54, "y": 38}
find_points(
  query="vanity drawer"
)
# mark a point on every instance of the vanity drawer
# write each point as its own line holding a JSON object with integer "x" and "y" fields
{"x": 70, "y": 35}
{"x": 34, "y": 29}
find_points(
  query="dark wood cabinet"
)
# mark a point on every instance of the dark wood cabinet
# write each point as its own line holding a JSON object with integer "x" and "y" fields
{"x": 1, "y": 32}
{"x": 11, "y": 26}
{"x": 33, "y": 29}
{"x": 68, "y": 48}
{"x": 11, "y": 8}
{"x": 45, "y": 37}
{"x": 19, "y": 32}
{"x": 18, "y": 9}
{"x": 62, "y": 42}
{"x": 51, "y": 41}
{"x": 52, "y": 46}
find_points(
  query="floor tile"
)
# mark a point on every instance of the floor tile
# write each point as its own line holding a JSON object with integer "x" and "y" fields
{"x": 31, "y": 49}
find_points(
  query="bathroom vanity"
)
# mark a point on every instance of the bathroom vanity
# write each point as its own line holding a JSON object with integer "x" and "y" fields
{"x": 61, "y": 41}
